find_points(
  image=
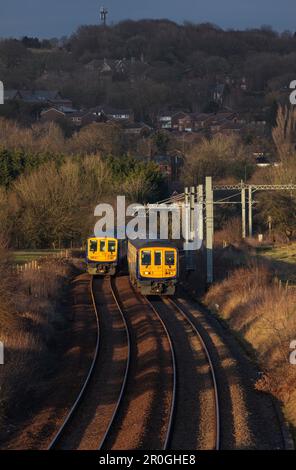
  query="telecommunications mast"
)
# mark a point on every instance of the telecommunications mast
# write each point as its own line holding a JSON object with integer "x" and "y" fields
{"x": 103, "y": 15}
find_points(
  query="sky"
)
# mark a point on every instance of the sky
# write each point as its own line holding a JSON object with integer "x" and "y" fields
{"x": 56, "y": 18}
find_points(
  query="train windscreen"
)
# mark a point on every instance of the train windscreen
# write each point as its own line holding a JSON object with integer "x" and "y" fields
{"x": 146, "y": 258}
{"x": 169, "y": 258}
{"x": 93, "y": 245}
{"x": 112, "y": 246}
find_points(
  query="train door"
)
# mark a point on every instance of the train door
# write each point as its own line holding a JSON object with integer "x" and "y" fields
{"x": 158, "y": 268}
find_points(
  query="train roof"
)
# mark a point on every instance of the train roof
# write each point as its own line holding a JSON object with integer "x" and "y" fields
{"x": 152, "y": 243}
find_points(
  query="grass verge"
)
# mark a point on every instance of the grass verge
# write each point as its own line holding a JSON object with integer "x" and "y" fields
{"x": 263, "y": 313}
{"x": 31, "y": 313}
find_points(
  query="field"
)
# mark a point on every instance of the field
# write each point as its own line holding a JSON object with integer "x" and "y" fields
{"x": 283, "y": 258}
{"x": 26, "y": 256}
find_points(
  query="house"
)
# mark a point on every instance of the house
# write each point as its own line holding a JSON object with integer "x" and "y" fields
{"x": 39, "y": 96}
{"x": 193, "y": 122}
{"x": 230, "y": 128}
{"x": 11, "y": 95}
{"x": 137, "y": 129}
{"x": 219, "y": 92}
{"x": 218, "y": 121}
{"x": 51, "y": 115}
{"x": 185, "y": 123}
{"x": 81, "y": 118}
{"x": 170, "y": 120}
{"x": 35, "y": 97}
{"x": 118, "y": 69}
{"x": 108, "y": 113}
{"x": 200, "y": 121}
{"x": 74, "y": 117}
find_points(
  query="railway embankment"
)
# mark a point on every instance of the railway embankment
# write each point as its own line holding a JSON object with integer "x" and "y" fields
{"x": 34, "y": 320}
{"x": 259, "y": 306}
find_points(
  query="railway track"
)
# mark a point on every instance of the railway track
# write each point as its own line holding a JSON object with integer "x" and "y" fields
{"x": 100, "y": 416}
{"x": 174, "y": 373}
{"x": 92, "y": 415}
{"x": 189, "y": 364}
{"x": 144, "y": 419}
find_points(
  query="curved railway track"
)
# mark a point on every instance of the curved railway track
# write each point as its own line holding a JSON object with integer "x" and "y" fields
{"x": 211, "y": 366}
{"x": 101, "y": 410}
{"x": 104, "y": 439}
{"x": 163, "y": 305}
{"x": 144, "y": 419}
{"x": 174, "y": 367}
{"x": 68, "y": 431}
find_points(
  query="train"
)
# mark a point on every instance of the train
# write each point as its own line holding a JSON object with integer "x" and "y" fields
{"x": 153, "y": 266}
{"x": 103, "y": 255}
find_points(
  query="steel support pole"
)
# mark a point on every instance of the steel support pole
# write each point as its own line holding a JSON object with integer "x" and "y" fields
{"x": 250, "y": 212}
{"x": 209, "y": 228}
{"x": 192, "y": 204}
{"x": 187, "y": 225}
{"x": 200, "y": 199}
{"x": 187, "y": 214}
{"x": 243, "y": 201}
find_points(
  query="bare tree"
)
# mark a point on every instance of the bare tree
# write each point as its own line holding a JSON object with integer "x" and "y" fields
{"x": 284, "y": 137}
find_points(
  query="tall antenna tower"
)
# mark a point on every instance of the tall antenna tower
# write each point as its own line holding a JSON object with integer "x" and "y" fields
{"x": 103, "y": 15}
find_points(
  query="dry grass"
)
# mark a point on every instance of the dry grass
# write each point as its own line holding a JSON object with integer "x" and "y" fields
{"x": 231, "y": 233}
{"x": 264, "y": 314}
{"x": 29, "y": 315}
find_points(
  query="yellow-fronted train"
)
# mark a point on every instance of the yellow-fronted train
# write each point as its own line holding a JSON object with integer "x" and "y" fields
{"x": 103, "y": 255}
{"x": 153, "y": 266}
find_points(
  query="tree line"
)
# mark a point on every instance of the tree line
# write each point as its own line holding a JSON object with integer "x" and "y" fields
{"x": 167, "y": 65}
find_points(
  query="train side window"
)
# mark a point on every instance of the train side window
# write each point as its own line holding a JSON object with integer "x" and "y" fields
{"x": 102, "y": 245}
{"x": 157, "y": 258}
{"x": 169, "y": 258}
{"x": 112, "y": 246}
{"x": 93, "y": 245}
{"x": 146, "y": 258}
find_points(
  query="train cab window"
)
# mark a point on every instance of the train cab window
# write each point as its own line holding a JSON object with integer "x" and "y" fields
{"x": 93, "y": 245}
{"x": 146, "y": 258}
{"x": 169, "y": 258}
{"x": 157, "y": 258}
{"x": 112, "y": 246}
{"x": 102, "y": 245}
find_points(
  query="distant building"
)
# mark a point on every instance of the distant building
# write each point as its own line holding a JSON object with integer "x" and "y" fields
{"x": 170, "y": 120}
{"x": 137, "y": 129}
{"x": 11, "y": 95}
{"x": 113, "y": 114}
{"x": 219, "y": 93}
{"x": 74, "y": 117}
{"x": 35, "y": 97}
